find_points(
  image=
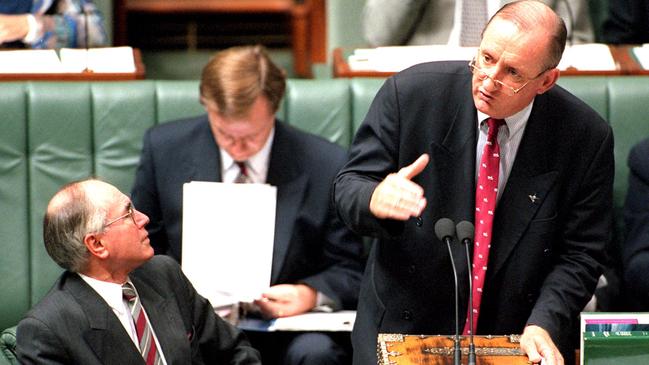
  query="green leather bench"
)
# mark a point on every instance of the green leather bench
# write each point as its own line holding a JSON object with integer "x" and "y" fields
{"x": 53, "y": 133}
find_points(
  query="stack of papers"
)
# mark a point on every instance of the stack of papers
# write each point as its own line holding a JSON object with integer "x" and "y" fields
{"x": 584, "y": 57}
{"x": 69, "y": 60}
{"x": 395, "y": 59}
{"x": 614, "y": 338}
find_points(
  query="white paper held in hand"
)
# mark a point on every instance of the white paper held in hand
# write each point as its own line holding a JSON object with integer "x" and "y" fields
{"x": 228, "y": 237}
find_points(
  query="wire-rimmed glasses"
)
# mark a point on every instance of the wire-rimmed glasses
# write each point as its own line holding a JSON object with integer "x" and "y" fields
{"x": 508, "y": 89}
{"x": 130, "y": 213}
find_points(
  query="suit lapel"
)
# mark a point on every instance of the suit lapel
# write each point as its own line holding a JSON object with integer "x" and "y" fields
{"x": 284, "y": 172}
{"x": 106, "y": 335}
{"x": 454, "y": 158}
{"x": 529, "y": 182}
{"x": 169, "y": 329}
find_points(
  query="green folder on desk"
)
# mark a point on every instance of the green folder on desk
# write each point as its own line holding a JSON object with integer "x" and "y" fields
{"x": 616, "y": 348}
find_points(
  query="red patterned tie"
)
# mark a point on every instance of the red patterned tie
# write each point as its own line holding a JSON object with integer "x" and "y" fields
{"x": 142, "y": 326}
{"x": 485, "y": 206}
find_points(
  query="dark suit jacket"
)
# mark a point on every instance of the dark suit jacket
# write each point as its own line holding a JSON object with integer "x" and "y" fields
{"x": 545, "y": 254}
{"x": 628, "y": 22}
{"x": 636, "y": 217}
{"x": 74, "y": 325}
{"x": 311, "y": 244}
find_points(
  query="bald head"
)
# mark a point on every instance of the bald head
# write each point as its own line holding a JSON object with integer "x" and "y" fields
{"x": 74, "y": 211}
{"x": 534, "y": 16}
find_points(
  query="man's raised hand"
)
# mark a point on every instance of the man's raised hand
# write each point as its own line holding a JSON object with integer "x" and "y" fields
{"x": 397, "y": 197}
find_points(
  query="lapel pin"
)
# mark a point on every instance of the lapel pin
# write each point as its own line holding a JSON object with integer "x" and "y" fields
{"x": 533, "y": 198}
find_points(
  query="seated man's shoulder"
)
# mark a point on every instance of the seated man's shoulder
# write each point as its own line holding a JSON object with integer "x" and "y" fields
{"x": 157, "y": 265}
{"x": 177, "y": 129}
{"x": 638, "y": 158}
{"x": 58, "y": 303}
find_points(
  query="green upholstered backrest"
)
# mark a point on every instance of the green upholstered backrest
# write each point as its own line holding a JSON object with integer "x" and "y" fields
{"x": 331, "y": 118}
{"x": 14, "y": 205}
{"x": 53, "y": 133}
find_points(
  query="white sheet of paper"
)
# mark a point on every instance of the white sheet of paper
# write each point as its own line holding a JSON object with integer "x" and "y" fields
{"x": 100, "y": 60}
{"x": 30, "y": 61}
{"x": 587, "y": 57}
{"x": 341, "y": 321}
{"x": 228, "y": 236}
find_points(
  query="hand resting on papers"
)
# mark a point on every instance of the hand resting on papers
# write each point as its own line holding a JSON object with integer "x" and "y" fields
{"x": 286, "y": 300}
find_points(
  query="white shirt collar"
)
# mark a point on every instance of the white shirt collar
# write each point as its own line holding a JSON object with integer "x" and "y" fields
{"x": 514, "y": 123}
{"x": 257, "y": 164}
{"x": 110, "y": 292}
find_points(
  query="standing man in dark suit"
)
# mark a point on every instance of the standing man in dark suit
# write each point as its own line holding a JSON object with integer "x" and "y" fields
{"x": 92, "y": 230}
{"x": 627, "y": 23}
{"x": 635, "y": 252}
{"x": 316, "y": 259}
{"x": 414, "y": 161}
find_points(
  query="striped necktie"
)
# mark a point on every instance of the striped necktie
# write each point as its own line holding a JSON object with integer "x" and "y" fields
{"x": 142, "y": 326}
{"x": 243, "y": 177}
{"x": 485, "y": 206}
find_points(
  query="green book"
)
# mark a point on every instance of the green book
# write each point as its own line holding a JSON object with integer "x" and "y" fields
{"x": 616, "y": 348}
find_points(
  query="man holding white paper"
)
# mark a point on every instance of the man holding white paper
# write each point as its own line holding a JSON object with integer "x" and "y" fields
{"x": 316, "y": 259}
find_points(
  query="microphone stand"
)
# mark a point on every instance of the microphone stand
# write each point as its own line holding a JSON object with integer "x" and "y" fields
{"x": 471, "y": 344}
{"x": 445, "y": 230}
{"x": 457, "y": 351}
{"x": 465, "y": 232}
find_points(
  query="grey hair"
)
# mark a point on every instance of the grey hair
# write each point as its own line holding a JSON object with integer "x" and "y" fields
{"x": 70, "y": 216}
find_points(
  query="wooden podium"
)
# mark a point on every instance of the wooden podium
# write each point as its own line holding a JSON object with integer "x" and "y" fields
{"x": 398, "y": 349}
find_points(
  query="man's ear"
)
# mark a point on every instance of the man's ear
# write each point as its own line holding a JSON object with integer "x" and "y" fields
{"x": 95, "y": 246}
{"x": 549, "y": 80}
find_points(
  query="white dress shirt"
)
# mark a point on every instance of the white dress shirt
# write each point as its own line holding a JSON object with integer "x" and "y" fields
{"x": 509, "y": 138}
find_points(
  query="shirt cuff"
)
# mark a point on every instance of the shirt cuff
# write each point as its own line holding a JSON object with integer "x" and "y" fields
{"x": 31, "y": 34}
{"x": 324, "y": 304}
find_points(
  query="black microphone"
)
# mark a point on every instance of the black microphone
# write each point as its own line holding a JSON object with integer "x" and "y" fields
{"x": 445, "y": 231}
{"x": 465, "y": 232}
{"x": 86, "y": 38}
